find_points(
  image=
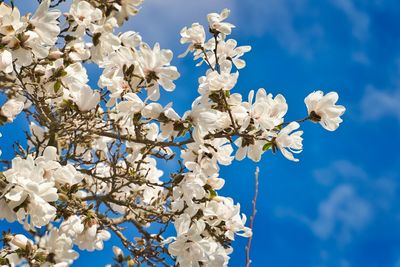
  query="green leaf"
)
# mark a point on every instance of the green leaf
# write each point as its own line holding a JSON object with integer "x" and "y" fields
{"x": 213, "y": 193}
{"x": 57, "y": 86}
{"x": 267, "y": 146}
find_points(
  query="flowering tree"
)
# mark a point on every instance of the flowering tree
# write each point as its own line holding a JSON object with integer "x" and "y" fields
{"x": 89, "y": 169}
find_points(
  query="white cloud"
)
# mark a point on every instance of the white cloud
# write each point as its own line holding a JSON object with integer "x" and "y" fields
{"x": 278, "y": 19}
{"x": 381, "y": 187}
{"x": 377, "y": 104}
{"x": 341, "y": 214}
{"x": 358, "y": 19}
{"x": 341, "y": 168}
{"x": 353, "y": 200}
{"x": 361, "y": 57}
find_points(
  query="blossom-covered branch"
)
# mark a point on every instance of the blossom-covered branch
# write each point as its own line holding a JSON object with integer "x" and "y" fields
{"x": 90, "y": 167}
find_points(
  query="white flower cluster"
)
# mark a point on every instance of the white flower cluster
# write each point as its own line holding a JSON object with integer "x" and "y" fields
{"x": 31, "y": 188}
{"x": 26, "y": 38}
{"x": 92, "y": 164}
{"x": 55, "y": 248}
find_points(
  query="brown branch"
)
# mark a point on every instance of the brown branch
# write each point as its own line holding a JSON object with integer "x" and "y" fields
{"x": 254, "y": 202}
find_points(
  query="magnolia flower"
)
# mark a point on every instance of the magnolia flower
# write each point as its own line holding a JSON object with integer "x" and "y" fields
{"x": 19, "y": 241}
{"x": 266, "y": 112}
{"x": 53, "y": 171}
{"x": 154, "y": 64}
{"x": 6, "y": 61}
{"x": 72, "y": 227}
{"x": 75, "y": 77}
{"x": 189, "y": 247}
{"x": 195, "y": 35}
{"x": 229, "y": 53}
{"x": 33, "y": 48}
{"x": 125, "y": 9}
{"x": 60, "y": 246}
{"x": 152, "y": 110}
{"x": 209, "y": 154}
{"x": 10, "y": 21}
{"x": 29, "y": 193}
{"x": 86, "y": 99}
{"x": 131, "y": 39}
{"x": 84, "y": 14}
{"x": 216, "y": 24}
{"x": 117, "y": 251}
{"x": 223, "y": 209}
{"x": 215, "y": 81}
{"x": 167, "y": 127}
{"x": 206, "y": 121}
{"x": 106, "y": 41}
{"x": 92, "y": 238}
{"x": 31, "y": 186}
{"x": 323, "y": 109}
{"x": 250, "y": 148}
{"x": 78, "y": 50}
{"x": 11, "y": 109}
{"x": 289, "y": 142}
{"x": 45, "y": 23}
{"x": 131, "y": 105}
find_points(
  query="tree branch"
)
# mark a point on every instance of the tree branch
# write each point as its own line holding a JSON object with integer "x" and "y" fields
{"x": 254, "y": 202}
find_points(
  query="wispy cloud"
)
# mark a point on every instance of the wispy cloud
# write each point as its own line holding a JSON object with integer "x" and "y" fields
{"x": 382, "y": 186}
{"x": 277, "y": 18}
{"x": 339, "y": 169}
{"x": 341, "y": 214}
{"x": 359, "y": 20}
{"x": 377, "y": 104}
{"x": 354, "y": 200}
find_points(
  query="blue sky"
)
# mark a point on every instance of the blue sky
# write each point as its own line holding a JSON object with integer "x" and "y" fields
{"x": 339, "y": 206}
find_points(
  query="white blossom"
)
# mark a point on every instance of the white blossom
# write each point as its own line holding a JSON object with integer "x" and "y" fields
{"x": 86, "y": 99}
{"x": 10, "y": 22}
{"x": 6, "y": 61}
{"x": 323, "y": 109}
{"x": 229, "y": 53}
{"x": 29, "y": 193}
{"x": 194, "y": 35}
{"x": 126, "y": 8}
{"x": 155, "y": 67}
{"x": 84, "y": 15}
{"x": 266, "y": 112}
{"x": 92, "y": 238}
{"x": 290, "y": 142}
{"x": 45, "y": 23}
{"x": 60, "y": 247}
{"x": 216, "y": 23}
{"x": 11, "y": 109}
{"x": 215, "y": 81}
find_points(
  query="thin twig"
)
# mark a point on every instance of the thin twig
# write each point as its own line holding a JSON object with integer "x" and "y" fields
{"x": 253, "y": 215}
